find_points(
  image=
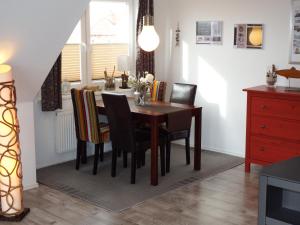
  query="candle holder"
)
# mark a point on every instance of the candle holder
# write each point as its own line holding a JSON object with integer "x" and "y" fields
{"x": 11, "y": 188}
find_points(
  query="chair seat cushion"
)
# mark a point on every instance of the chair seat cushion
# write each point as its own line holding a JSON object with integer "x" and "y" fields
{"x": 104, "y": 132}
{"x": 174, "y": 135}
{"x": 142, "y": 135}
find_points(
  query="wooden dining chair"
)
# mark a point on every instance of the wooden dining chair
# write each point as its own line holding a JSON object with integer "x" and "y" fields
{"x": 182, "y": 94}
{"x": 124, "y": 134}
{"x": 158, "y": 90}
{"x": 88, "y": 127}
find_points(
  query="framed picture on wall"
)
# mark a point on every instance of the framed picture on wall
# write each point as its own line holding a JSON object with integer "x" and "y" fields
{"x": 209, "y": 32}
{"x": 248, "y": 36}
{"x": 295, "y": 33}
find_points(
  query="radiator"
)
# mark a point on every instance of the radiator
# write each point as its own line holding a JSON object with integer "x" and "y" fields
{"x": 65, "y": 137}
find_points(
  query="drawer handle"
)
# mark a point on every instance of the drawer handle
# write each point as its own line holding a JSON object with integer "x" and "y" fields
{"x": 263, "y": 126}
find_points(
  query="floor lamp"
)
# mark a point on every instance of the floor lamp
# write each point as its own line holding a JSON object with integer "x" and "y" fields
{"x": 11, "y": 188}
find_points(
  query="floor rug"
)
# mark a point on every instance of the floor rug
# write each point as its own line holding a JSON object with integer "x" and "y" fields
{"x": 117, "y": 194}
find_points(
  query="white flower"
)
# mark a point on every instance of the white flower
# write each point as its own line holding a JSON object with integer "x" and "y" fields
{"x": 143, "y": 80}
{"x": 149, "y": 78}
{"x": 131, "y": 78}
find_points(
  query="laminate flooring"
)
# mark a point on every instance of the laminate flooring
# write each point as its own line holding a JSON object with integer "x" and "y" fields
{"x": 228, "y": 198}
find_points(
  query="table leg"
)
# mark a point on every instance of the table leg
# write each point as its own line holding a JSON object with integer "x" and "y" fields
{"x": 197, "y": 139}
{"x": 154, "y": 152}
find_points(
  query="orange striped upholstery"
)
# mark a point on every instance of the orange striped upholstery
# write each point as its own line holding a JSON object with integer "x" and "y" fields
{"x": 158, "y": 90}
{"x": 88, "y": 127}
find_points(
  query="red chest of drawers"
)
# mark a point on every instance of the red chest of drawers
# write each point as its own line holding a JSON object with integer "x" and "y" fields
{"x": 273, "y": 125}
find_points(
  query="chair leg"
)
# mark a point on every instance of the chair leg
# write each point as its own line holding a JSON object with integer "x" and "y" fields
{"x": 125, "y": 159}
{"x": 114, "y": 162}
{"x": 96, "y": 158}
{"x": 133, "y": 167}
{"x": 83, "y": 153}
{"x": 168, "y": 156}
{"x": 143, "y": 158}
{"x": 139, "y": 156}
{"x": 119, "y": 152}
{"x": 162, "y": 159}
{"x": 78, "y": 154}
{"x": 101, "y": 152}
{"x": 187, "y": 151}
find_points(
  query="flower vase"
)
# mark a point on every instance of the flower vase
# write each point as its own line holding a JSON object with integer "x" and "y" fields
{"x": 136, "y": 95}
{"x": 147, "y": 96}
{"x": 139, "y": 98}
{"x": 271, "y": 79}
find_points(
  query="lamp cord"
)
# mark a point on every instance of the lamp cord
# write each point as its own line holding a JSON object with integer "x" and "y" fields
{"x": 149, "y": 7}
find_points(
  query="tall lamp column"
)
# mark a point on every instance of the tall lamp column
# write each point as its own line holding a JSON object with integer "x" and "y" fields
{"x": 11, "y": 188}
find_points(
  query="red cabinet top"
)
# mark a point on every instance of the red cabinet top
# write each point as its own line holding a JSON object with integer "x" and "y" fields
{"x": 277, "y": 90}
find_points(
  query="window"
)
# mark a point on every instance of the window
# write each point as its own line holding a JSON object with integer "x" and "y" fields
{"x": 103, "y": 34}
{"x": 71, "y": 52}
{"x": 109, "y": 34}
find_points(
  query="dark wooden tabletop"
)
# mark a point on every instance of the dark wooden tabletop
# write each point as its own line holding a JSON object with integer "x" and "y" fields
{"x": 153, "y": 108}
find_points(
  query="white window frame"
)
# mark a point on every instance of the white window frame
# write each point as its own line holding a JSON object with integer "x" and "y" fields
{"x": 86, "y": 67}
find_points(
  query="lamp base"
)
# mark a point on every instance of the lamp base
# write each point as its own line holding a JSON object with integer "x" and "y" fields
{"x": 16, "y": 218}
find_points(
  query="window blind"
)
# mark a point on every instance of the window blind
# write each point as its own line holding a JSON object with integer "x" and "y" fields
{"x": 71, "y": 63}
{"x": 105, "y": 56}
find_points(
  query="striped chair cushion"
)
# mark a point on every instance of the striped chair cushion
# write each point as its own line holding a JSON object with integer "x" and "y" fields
{"x": 87, "y": 126}
{"x": 158, "y": 90}
{"x": 104, "y": 132}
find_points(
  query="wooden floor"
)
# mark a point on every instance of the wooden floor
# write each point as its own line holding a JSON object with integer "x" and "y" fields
{"x": 227, "y": 198}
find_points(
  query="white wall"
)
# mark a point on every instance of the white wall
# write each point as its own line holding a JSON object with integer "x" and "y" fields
{"x": 45, "y": 138}
{"x": 221, "y": 72}
{"x": 27, "y": 143}
{"x": 32, "y": 35}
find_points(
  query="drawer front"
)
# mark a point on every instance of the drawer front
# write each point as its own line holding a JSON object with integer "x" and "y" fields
{"x": 275, "y": 127}
{"x": 276, "y": 107}
{"x": 272, "y": 150}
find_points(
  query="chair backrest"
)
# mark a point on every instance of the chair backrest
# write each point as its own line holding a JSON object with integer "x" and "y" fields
{"x": 180, "y": 120}
{"x": 86, "y": 116}
{"x": 183, "y": 93}
{"x": 158, "y": 90}
{"x": 120, "y": 121}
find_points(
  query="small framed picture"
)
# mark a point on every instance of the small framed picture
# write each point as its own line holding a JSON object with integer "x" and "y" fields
{"x": 249, "y": 36}
{"x": 295, "y": 33}
{"x": 209, "y": 32}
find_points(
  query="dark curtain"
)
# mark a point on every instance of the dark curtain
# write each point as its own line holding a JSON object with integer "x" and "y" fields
{"x": 144, "y": 60}
{"x": 51, "y": 89}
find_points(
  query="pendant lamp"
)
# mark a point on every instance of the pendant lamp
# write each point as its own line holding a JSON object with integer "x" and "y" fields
{"x": 148, "y": 39}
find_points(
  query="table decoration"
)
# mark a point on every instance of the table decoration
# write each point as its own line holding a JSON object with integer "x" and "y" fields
{"x": 141, "y": 85}
{"x": 271, "y": 77}
{"x": 109, "y": 80}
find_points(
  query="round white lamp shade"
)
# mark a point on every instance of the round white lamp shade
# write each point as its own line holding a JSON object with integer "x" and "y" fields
{"x": 5, "y": 73}
{"x": 123, "y": 63}
{"x": 148, "y": 39}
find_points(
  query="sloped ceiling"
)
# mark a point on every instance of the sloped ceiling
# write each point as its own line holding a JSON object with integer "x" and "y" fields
{"x": 32, "y": 34}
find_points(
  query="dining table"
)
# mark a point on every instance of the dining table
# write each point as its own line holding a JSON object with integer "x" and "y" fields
{"x": 156, "y": 113}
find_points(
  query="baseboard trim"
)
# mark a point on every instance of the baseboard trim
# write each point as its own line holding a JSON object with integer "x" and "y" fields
{"x": 223, "y": 151}
{"x": 28, "y": 187}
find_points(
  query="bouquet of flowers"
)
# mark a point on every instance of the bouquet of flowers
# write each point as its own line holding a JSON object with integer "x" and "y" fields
{"x": 141, "y": 83}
